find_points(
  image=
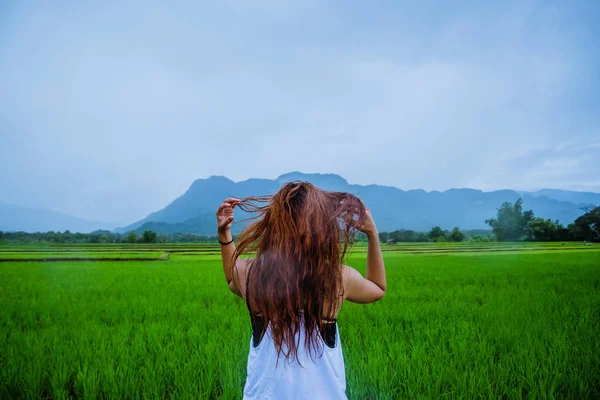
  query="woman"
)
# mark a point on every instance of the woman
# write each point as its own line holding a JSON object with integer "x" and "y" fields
{"x": 295, "y": 285}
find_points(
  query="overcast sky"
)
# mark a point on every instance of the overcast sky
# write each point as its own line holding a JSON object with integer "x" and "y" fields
{"x": 109, "y": 110}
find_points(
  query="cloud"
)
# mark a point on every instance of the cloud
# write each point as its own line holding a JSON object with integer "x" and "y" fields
{"x": 110, "y": 111}
{"x": 573, "y": 165}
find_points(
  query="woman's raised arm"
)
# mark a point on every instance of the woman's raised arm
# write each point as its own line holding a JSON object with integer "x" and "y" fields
{"x": 224, "y": 221}
{"x": 371, "y": 289}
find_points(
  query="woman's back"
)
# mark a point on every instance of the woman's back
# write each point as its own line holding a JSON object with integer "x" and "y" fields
{"x": 321, "y": 376}
{"x": 296, "y": 277}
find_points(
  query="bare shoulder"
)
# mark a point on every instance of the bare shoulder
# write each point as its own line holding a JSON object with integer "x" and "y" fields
{"x": 348, "y": 272}
{"x": 242, "y": 264}
{"x": 240, "y": 274}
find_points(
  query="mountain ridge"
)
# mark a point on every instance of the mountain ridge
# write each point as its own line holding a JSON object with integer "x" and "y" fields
{"x": 392, "y": 207}
{"x": 19, "y": 218}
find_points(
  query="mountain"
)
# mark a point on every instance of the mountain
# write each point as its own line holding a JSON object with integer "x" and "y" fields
{"x": 392, "y": 208}
{"x": 17, "y": 218}
{"x": 199, "y": 224}
{"x": 583, "y": 198}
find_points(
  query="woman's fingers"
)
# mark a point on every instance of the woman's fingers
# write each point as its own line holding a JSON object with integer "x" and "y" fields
{"x": 226, "y": 209}
{"x": 222, "y": 207}
{"x": 232, "y": 201}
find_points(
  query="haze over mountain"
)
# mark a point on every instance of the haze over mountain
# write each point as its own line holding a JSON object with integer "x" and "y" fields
{"x": 392, "y": 208}
{"x": 109, "y": 109}
{"x": 17, "y": 218}
{"x": 567, "y": 195}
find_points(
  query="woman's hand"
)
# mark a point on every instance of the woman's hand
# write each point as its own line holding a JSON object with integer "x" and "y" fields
{"x": 225, "y": 214}
{"x": 368, "y": 225}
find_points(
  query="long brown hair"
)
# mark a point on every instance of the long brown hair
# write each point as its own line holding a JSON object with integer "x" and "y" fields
{"x": 300, "y": 238}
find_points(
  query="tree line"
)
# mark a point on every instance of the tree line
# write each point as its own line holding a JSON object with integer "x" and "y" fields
{"x": 514, "y": 224}
{"x": 98, "y": 237}
{"x": 149, "y": 236}
{"x": 436, "y": 234}
{"x": 511, "y": 224}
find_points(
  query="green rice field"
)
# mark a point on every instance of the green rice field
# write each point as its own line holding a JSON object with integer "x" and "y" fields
{"x": 470, "y": 321}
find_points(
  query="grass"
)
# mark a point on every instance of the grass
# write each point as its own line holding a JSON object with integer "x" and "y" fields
{"x": 79, "y": 255}
{"x": 452, "y": 325}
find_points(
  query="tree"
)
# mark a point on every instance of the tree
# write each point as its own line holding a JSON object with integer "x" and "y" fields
{"x": 587, "y": 227}
{"x": 361, "y": 237}
{"x": 457, "y": 235}
{"x": 383, "y": 237}
{"x": 2, "y": 238}
{"x": 540, "y": 230}
{"x": 482, "y": 238}
{"x": 94, "y": 238}
{"x": 511, "y": 222}
{"x": 403, "y": 235}
{"x": 132, "y": 237}
{"x": 436, "y": 234}
{"x": 149, "y": 237}
{"x": 421, "y": 237}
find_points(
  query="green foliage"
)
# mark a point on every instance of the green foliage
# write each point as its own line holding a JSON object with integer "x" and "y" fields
{"x": 54, "y": 254}
{"x": 97, "y": 237}
{"x": 384, "y": 237}
{"x": 437, "y": 234}
{"x": 587, "y": 227}
{"x": 131, "y": 237}
{"x": 190, "y": 238}
{"x": 360, "y": 237}
{"x": 540, "y": 230}
{"x": 482, "y": 238}
{"x": 514, "y": 224}
{"x": 505, "y": 325}
{"x": 407, "y": 235}
{"x": 457, "y": 235}
{"x": 149, "y": 237}
{"x": 511, "y": 222}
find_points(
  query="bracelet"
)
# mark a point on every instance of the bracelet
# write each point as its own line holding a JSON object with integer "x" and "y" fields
{"x": 226, "y": 243}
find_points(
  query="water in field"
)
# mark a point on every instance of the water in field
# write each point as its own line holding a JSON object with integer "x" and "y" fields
{"x": 505, "y": 321}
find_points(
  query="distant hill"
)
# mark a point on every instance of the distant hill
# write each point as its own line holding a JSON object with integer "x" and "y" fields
{"x": 392, "y": 208}
{"x": 583, "y": 198}
{"x": 204, "y": 223}
{"x": 17, "y": 218}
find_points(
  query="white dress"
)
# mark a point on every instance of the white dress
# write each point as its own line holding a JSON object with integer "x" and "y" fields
{"x": 323, "y": 378}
